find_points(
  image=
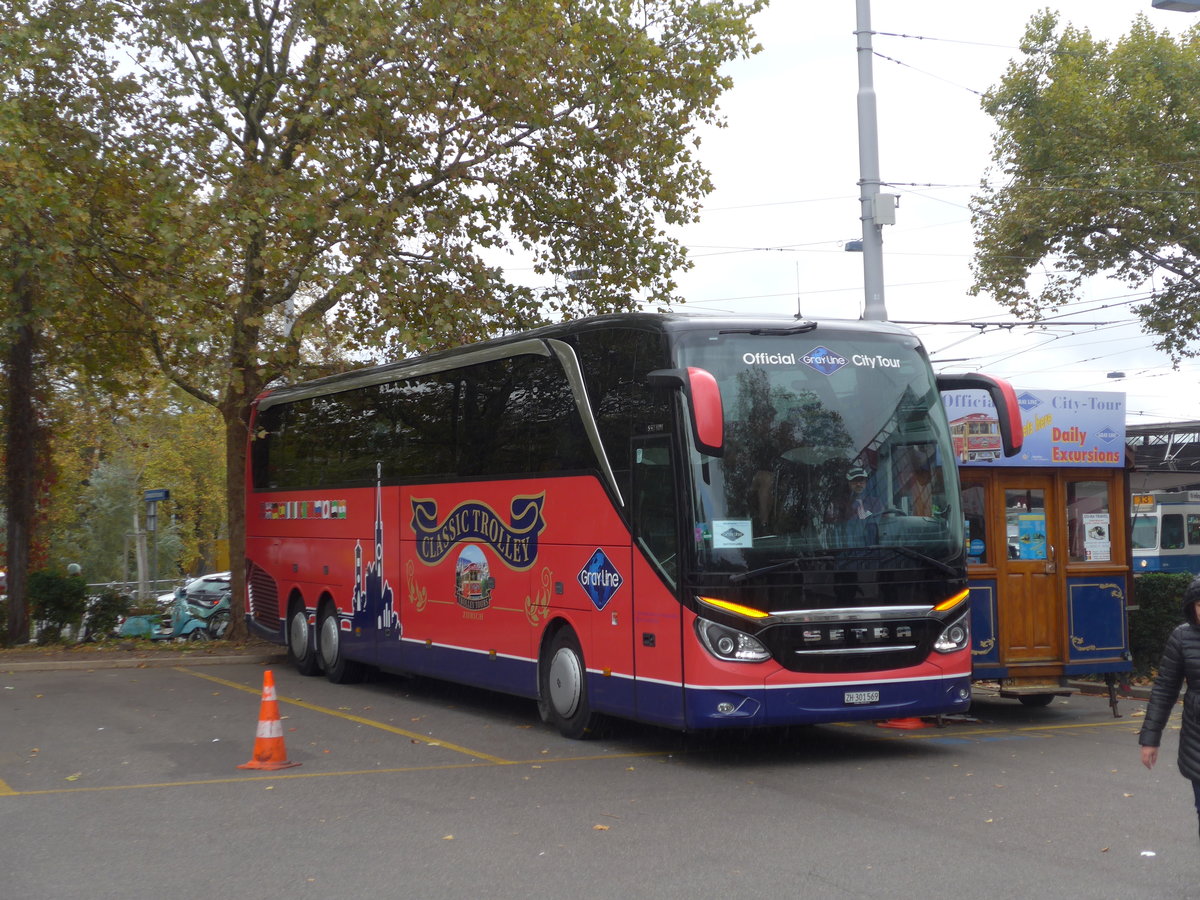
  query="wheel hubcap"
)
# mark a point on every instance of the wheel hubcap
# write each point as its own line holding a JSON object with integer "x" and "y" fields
{"x": 329, "y": 640}
{"x": 566, "y": 678}
{"x": 298, "y": 634}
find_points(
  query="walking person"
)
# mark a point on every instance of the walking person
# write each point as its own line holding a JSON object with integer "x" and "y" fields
{"x": 1180, "y": 663}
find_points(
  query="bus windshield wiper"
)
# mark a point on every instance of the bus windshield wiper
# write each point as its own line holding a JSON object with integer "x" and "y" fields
{"x": 794, "y": 562}
{"x": 801, "y": 327}
{"x": 913, "y": 554}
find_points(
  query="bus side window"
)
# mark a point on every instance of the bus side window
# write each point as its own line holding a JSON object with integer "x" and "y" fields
{"x": 655, "y": 508}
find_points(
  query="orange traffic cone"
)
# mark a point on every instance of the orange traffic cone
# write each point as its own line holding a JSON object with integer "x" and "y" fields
{"x": 269, "y": 752}
{"x": 911, "y": 723}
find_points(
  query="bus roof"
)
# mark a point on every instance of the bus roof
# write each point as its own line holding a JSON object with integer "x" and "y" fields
{"x": 530, "y": 342}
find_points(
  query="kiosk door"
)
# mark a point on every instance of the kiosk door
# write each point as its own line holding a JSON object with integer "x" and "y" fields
{"x": 1030, "y": 617}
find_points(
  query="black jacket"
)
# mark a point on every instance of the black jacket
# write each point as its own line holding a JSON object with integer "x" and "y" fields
{"x": 1180, "y": 663}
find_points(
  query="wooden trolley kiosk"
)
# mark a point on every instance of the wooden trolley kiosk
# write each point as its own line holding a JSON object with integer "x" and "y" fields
{"x": 1047, "y": 542}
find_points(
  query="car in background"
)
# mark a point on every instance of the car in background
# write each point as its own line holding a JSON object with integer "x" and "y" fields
{"x": 207, "y": 589}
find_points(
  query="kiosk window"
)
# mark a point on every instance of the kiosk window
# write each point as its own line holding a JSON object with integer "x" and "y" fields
{"x": 1025, "y": 515}
{"x": 975, "y": 514}
{"x": 1089, "y": 524}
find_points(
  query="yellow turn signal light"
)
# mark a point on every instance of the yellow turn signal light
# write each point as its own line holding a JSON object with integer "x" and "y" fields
{"x": 747, "y": 611}
{"x": 953, "y": 601}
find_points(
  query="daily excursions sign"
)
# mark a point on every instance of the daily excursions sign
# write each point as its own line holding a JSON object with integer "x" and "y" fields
{"x": 1062, "y": 429}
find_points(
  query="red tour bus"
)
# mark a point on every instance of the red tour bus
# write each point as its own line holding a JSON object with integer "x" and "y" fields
{"x": 689, "y": 521}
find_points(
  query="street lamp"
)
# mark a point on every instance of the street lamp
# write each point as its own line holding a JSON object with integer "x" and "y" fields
{"x": 1176, "y": 5}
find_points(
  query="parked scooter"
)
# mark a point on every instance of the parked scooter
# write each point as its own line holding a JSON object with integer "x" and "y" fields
{"x": 214, "y": 612}
{"x": 184, "y": 621}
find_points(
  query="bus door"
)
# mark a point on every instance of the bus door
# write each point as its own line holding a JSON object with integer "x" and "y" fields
{"x": 657, "y": 614}
{"x": 1030, "y": 583}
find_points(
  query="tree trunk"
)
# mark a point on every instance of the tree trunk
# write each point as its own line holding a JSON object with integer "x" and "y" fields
{"x": 236, "y": 419}
{"x": 20, "y": 465}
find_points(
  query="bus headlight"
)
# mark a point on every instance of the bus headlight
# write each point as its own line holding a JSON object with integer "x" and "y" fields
{"x": 729, "y": 643}
{"x": 954, "y": 636}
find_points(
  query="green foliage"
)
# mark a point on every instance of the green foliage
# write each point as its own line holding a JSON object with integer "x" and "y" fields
{"x": 1160, "y": 608}
{"x": 107, "y": 456}
{"x": 360, "y": 173}
{"x": 1098, "y": 156}
{"x": 106, "y": 610}
{"x": 57, "y": 601}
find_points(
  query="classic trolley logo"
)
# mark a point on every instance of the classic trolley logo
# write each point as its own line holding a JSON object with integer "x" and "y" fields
{"x": 515, "y": 541}
{"x": 824, "y": 360}
{"x": 600, "y": 579}
{"x": 473, "y": 582}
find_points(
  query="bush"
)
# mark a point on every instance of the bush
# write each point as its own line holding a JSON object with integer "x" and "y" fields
{"x": 105, "y": 610}
{"x": 57, "y": 601}
{"x": 1159, "y": 599}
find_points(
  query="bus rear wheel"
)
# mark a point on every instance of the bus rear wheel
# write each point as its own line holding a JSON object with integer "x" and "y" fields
{"x": 338, "y": 669}
{"x": 563, "y": 696}
{"x": 302, "y": 653}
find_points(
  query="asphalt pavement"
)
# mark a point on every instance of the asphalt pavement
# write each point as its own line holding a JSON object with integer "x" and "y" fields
{"x": 125, "y": 783}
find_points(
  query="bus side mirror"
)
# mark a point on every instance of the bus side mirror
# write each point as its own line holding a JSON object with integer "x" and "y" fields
{"x": 1004, "y": 398}
{"x": 704, "y": 403}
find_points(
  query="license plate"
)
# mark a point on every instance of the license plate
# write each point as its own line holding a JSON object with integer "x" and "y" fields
{"x": 861, "y": 698}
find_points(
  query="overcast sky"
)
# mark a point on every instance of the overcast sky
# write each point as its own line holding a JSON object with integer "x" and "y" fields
{"x": 786, "y": 200}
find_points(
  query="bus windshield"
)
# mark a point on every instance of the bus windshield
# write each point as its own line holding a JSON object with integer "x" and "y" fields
{"x": 835, "y": 444}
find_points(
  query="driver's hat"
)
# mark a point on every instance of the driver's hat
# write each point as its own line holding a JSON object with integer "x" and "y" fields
{"x": 856, "y": 473}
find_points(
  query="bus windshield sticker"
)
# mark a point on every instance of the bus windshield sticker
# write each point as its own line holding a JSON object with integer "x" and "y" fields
{"x": 732, "y": 534}
{"x": 515, "y": 541}
{"x": 824, "y": 360}
{"x": 600, "y": 579}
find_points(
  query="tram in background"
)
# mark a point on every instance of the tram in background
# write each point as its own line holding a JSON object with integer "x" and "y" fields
{"x": 1166, "y": 532}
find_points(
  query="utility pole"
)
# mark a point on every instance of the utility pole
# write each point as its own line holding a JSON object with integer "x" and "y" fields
{"x": 877, "y": 209}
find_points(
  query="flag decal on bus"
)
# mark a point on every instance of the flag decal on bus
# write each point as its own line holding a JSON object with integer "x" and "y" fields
{"x": 600, "y": 579}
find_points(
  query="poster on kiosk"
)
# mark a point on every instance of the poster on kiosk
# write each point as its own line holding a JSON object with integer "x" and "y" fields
{"x": 1080, "y": 429}
{"x": 1062, "y": 430}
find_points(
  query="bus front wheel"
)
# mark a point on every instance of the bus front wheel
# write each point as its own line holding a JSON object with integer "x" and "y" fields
{"x": 563, "y": 698}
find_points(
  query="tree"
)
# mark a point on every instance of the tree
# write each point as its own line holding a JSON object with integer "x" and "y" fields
{"x": 1099, "y": 149}
{"x": 60, "y": 105}
{"x": 366, "y": 168}
{"x": 107, "y": 452}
